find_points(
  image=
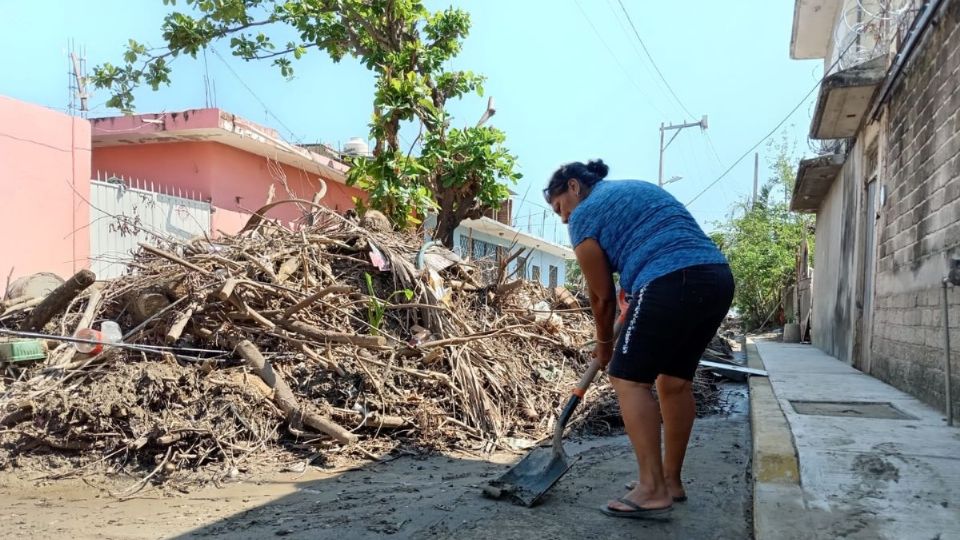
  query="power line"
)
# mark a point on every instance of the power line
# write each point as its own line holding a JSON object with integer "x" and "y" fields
{"x": 633, "y": 45}
{"x": 254, "y": 94}
{"x": 826, "y": 73}
{"x": 755, "y": 146}
{"x": 713, "y": 148}
{"x": 687, "y": 148}
{"x": 652, "y": 62}
{"x": 660, "y": 75}
{"x": 616, "y": 59}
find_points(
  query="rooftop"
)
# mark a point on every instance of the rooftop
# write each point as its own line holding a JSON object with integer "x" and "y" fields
{"x": 213, "y": 125}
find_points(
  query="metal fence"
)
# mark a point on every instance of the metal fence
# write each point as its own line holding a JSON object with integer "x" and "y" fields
{"x": 126, "y": 211}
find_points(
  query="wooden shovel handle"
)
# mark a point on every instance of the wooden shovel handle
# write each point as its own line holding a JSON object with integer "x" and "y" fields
{"x": 581, "y": 389}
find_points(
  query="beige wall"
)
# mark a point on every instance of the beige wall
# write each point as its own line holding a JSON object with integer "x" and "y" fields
{"x": 835, "y": 315}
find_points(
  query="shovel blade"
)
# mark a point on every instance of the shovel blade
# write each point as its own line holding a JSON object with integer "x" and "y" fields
{"x": 533, "y": 476}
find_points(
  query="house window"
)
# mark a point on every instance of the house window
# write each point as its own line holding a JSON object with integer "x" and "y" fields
{"x": 553, "y": 276}
{"x": 464, "y": 245}
{"x": 522, "y": 267}
{"x": 535, "y": 273}
{"x": 480, "y": 250}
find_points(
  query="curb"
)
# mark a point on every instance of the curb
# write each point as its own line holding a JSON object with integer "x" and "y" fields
{"x": 777, "y": 495}
{"x": 774, "y": 455}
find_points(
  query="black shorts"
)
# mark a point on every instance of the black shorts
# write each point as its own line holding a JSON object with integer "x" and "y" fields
{"x": 670, "y": 322}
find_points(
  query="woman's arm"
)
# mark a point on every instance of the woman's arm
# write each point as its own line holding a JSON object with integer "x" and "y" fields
{"x": 603, "y": 302}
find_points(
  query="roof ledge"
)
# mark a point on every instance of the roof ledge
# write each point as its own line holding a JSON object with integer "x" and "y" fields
{"x": 814, "y": 178}
{"x": 845, "y": 98}
{"x": 813, "y": 22}
{"x": 213, "y": 125}
{"x": 501, "y": 230}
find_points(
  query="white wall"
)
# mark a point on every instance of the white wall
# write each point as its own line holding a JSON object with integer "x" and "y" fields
{"x": 537, "y": 258}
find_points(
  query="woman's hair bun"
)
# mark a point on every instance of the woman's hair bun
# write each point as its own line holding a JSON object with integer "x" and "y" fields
{"x": 598, "y": 168}
{"x": 587, "y": 175}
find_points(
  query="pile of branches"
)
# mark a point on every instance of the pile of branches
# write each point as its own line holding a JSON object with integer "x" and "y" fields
{"x": 329, "y": 340}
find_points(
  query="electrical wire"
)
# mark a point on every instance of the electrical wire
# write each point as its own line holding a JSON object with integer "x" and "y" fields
{"x": 826, "y": 74}
{"x": 755, "y": 146}
{"x": 652, "y": 62}
{"x": 617, "y": 59}
{"x": 646, "y": 67}
{"x": 254, "y": 94}
{"x": 662, "y": 78}
{"x": 713, "y": 149}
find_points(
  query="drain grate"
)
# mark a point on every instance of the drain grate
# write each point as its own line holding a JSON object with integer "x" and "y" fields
{"x": 854, "y": 409}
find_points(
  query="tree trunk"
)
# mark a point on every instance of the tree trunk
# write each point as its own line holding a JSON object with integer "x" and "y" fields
{"x": 452, "y": 212}
{"x": 446, "y": 225}
{"x": 57, "y": 301}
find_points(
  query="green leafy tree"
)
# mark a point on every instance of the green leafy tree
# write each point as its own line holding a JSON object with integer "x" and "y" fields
{"x": 458, "y": 173}
{"x": 575, "y": 280}
{"x": 761, "y": 238}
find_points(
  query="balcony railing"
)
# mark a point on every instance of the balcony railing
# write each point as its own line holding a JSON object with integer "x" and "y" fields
{"x": 867, "y": 29}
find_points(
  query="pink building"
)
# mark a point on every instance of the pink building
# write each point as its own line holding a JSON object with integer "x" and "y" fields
{"x": 44, "y": 182}
{"x": 47, "y": 160}
{"x": 229, "y": 161}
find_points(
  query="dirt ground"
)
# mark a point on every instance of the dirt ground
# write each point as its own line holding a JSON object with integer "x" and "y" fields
{"x": 417, "y": 498}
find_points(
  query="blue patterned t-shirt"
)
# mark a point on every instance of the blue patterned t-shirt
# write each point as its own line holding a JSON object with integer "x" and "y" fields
{"x": 645, "y": 232}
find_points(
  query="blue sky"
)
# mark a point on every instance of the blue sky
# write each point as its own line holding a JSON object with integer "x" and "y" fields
{"x": 568, "y": 76}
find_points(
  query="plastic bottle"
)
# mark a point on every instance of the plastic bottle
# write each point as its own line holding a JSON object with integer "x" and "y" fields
{"x": 109, "y": 333}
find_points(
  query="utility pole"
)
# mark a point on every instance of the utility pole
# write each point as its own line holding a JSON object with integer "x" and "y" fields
{"x": 756, "y": 178}
{"x": 703, "y": 125}
{"x": 78, "y": 81}
{"x": 660, "y": 173}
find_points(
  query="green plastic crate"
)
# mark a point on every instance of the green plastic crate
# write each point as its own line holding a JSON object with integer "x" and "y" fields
{"x": 22, "y": 351}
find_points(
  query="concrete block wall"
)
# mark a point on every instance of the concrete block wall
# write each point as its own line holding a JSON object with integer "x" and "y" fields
{"x": 920, "y": 219}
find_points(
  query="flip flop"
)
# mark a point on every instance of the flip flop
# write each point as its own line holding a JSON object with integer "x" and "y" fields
{"x": 630, "y": 485}
{"x": 637, "y": 512}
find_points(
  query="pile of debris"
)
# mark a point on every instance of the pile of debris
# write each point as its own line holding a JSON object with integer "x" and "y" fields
{"x": 329, "y": 340}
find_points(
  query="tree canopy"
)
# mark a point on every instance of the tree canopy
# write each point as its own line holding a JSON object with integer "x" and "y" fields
{"x": 457, "y": 172}
{"x": 761, "y": 238}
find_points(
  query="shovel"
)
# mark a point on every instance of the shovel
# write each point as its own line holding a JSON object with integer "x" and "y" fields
{"x": 536, "y": 473}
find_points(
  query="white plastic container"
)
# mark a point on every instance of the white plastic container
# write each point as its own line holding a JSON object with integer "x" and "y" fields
{"x": 109, "y": 333}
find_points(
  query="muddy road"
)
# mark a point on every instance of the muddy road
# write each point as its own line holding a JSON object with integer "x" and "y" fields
{"x": 417, "y": 498}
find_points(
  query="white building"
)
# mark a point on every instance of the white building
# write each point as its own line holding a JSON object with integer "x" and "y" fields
{"x": 497, "y": 235}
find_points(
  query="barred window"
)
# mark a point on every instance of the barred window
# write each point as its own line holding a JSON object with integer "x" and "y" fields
{"x": 481, "y": 250}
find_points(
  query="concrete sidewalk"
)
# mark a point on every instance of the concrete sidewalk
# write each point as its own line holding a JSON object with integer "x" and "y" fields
{"x": 873, "y": 461}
